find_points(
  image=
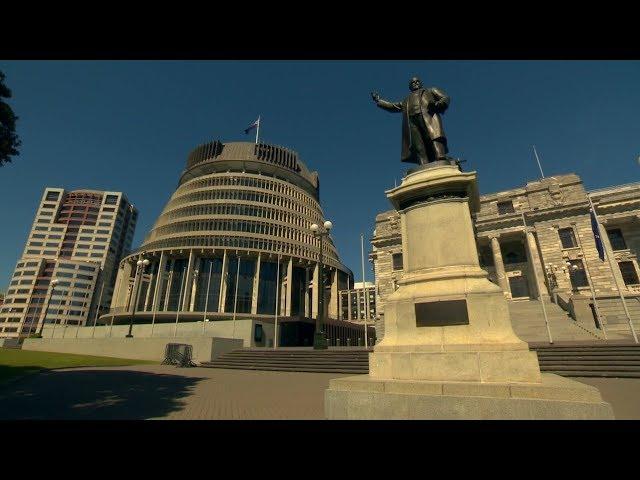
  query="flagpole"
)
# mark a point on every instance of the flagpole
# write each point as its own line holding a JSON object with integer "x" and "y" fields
{"x": 590, "y": 282}
{"x": 235, "y": 299}
{"x": 538, "y": 160}
{"x": 275, "y": 335}
{"x": 206, "y": 299}
{"x": 95, "y": 320}
{"x": 258, "y": 130}
{"x": 184, "y": 271}
{"x": 613, "y": 272}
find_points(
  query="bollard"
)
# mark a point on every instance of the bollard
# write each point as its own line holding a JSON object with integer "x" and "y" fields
{"x": 348, "y": 342}
{"x": 337, "y": 342}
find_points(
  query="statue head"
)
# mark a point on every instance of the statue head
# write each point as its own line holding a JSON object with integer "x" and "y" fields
{"x": 415, "y": 84}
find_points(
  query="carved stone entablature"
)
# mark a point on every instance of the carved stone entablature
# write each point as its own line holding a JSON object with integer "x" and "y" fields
{"x": 625, "y": 256}
{"x": 612, "y": 220}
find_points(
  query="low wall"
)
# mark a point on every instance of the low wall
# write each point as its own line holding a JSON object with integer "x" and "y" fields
{"x": 243, "y": 330}
{"x": 138, "y": 348}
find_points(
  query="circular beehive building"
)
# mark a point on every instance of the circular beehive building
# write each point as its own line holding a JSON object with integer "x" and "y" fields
{"x": 234, "y": 242}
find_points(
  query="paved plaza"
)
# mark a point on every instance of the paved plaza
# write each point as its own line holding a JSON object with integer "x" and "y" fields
{"x": 167, "y": 392}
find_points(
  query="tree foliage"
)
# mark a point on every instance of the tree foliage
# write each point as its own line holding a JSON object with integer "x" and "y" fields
{"x": 9, "y": 141}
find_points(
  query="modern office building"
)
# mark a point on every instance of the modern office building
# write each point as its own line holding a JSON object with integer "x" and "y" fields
{"x": 353, "y": 303}
{"x": 537, "y": 240}
{"x": 77, "y": 239}
{"x": 234, "y": 241}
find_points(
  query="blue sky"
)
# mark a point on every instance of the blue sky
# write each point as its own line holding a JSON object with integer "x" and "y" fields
{"x": 129, "y": 125}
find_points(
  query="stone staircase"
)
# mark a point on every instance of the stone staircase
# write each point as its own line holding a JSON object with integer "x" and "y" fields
{"x": 598, "y": 360}
{"x": 620, "y": 360}
{"x": 616, "y": 320}
{"x": 528, "y": 323}
{"x": 334, "y": 360}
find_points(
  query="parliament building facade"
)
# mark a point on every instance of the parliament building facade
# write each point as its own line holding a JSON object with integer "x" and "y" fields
{"x": 537, "y": 241}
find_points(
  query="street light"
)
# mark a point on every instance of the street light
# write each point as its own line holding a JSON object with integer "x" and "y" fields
{"x": 319, "y": 340}
{"x": 54, "y": 282}
{"x": 139, "y": 271}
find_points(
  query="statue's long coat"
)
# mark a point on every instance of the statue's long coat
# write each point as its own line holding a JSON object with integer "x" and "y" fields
{"x": 430, "y": 113}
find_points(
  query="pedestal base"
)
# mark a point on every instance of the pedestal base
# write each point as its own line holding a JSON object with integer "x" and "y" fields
{"x": 554, "y": 398}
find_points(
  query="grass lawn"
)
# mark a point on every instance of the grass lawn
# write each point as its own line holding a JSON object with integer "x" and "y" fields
{"x": 15, "y": 363}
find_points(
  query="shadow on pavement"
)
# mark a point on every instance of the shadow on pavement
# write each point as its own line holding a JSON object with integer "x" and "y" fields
{"x": 94, "y": 395}
{"x": 10, "y": 373}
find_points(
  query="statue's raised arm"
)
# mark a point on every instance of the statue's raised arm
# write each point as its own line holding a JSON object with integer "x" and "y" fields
{"x": 423, "y": 139}
{"x": 386, "y": 105}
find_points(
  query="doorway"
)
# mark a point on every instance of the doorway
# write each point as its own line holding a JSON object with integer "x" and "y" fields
{"x": 519, "y": 287}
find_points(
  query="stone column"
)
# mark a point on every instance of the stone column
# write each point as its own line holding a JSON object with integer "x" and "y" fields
{"x": 256, "y": 284}
{"x": 307, "y": 303}
{"x": 315, "y": 292}
{"x": 535, "y": 266}
{"x": 282, "y": 293}
{"x": 150, "y": 287}
{"x": 167, "y": 294}
{"x": 332, "y": 306}
{"x": 223, "y": 282}
{"x": 188, "y": 283}
{"x": 123, "y": 283}
{"x": 499, "y": 265}
{"x": 137, "y": 278}
{"x": 287, "y": 308}
{"x": 160, "y": 281}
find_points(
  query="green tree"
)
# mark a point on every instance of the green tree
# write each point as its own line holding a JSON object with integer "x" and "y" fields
{"x": 9, "y": 141}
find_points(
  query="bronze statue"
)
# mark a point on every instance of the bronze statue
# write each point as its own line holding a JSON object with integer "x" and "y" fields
{"x": 423, "y": 139}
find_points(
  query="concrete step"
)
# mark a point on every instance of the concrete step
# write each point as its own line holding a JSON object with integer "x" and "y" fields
{"x": 589, "y": 373}
{"x": 591, "y": 368}
{"x": 590, "y": 360}
{"x": 292, "y": 368}
{"x": 354, "y": 361}
{"x": 286, "y": 363}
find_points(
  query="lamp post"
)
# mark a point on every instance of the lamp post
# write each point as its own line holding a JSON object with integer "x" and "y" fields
{"x": 54, "y": 282}
{"x": 141, "y": 264}
{"x": 319, "y": 340}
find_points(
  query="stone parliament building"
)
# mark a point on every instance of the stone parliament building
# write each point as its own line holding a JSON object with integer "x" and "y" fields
{"x": 537, "y": 241}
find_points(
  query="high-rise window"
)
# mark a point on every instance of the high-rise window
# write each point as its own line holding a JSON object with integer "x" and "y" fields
{"x": 567, "y": 237}
{"x": 616, "y": 239}
{"x": 629, "y": 274}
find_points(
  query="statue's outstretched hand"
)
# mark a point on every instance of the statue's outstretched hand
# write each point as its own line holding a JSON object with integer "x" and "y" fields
{"x": 375, "y": 96}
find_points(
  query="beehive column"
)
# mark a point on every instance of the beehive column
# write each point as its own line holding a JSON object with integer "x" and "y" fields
{"x": 256, "y": 283}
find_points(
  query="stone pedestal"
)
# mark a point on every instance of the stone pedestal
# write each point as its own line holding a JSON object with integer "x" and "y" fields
{"x": 449, "y": 350}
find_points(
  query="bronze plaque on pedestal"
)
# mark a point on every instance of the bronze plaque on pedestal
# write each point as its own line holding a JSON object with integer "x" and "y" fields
{"x": 442, "y": 313}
